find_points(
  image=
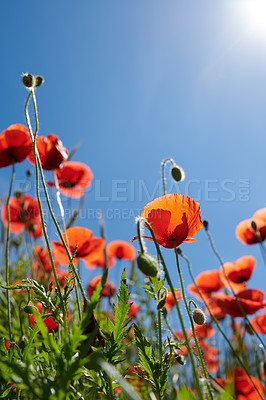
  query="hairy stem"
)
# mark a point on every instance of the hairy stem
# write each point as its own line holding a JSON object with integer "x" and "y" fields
{"x": 7, "y": 271}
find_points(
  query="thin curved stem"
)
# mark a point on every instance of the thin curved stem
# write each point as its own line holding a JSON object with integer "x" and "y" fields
{"x": 141, "y": 244}
{"x": 263, "y": 252}
{"x": 216, "y": 322}
{"x": 62, "y": 214}
{"x": 195, "y": 373}
{"x": 163, "y": 172}
{"x": 201, "y": 361}
{"x": 37, "y": 166}
{"x": 7, "y": 271}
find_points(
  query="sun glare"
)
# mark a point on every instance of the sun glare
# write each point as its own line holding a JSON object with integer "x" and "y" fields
{"x": 254, "y": 13}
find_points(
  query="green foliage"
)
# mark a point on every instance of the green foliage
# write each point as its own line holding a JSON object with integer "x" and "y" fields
{"x": 118, "y": 329}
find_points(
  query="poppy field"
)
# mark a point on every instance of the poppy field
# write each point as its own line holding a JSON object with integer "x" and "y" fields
{"x": 147, "y": 335}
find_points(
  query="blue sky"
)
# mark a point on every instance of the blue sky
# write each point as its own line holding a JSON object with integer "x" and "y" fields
{"x": 137, "y": 82}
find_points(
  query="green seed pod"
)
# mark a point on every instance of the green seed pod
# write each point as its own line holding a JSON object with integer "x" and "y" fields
{"x": 30, "y": 308}
{"x": 39, "y": 80}
{"x": 28, "y": 80}
{"x": 206, "y": 224}
{"x": 178, "y": 173}
{"x": 147, "y": 264}
{"x": 254, "y": 226}
{"x": 249, "y": 329}
{"x": 199, "y": 316}
{"x": 161, "y": 303}
{"x": 180, "y": 359}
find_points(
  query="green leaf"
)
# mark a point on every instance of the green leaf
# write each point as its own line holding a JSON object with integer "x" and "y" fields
{"x": 112, "y": 372}
{"x": 186, "y": 394}
{"x": 121, "y": 310}
{"x": 147, "y": 360}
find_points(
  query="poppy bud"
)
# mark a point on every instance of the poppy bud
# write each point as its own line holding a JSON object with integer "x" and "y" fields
{"x": 178, "y": 173}
{"x": 30, "y": 308}
{"x": 147, "y": 264}
{"x": 17, "y": 194}
{"x": 199, "y": 316}
{"x": 179, "y": 359}
{"x": 254, "y": 226}
{"x": 39, "y": 80}
{"x": 206, "y": 224}
{"x": 28, "y": 80}
{"x": 249, "y": 329}
{"x": 161, "y": 303}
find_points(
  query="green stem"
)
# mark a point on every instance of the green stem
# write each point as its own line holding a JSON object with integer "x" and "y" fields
{"x": 163, "y": 172}
{"x": 37, "y": 166}
{"x": 201, "y": 361}
{"x": 7, "y": 272}
{"x": 103, "y": 235}
{"x": 77, "y": 294}
{"x": 49, "y": 204}
{"x": 109, "y": 392}
{"x": 160, "y": 335}
{"x": 76, "y": 274}
{"x": 217, "y": 324}
{"x": 195, "y": 372}
{"x": 231, "y": 288}
{"x": 263, "y": 251}
{"x": 141, "y": 244}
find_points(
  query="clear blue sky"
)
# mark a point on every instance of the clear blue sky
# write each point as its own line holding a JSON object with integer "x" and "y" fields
{"x": 140, "y": 81}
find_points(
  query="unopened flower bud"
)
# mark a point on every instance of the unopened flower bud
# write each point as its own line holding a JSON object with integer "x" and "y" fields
{"x": 30, "y": 308}
{"x": 180, "y": 359}
{"x": 28, "y": 80}
{"x": 206, "y": 224}
{"x": 249, "y": 329}
{"x": 39, "y": 80}
{"x": 17, "y": 194}
{"x": 199, "y": 316}
{"x": 254, "y": 226}
{"x": 147, "y": 264}
{"x": 178, "y": 173}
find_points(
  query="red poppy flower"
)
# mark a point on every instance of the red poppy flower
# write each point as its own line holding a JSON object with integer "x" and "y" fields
{"x": 246, "y": 234}
{"x": 174, "y": 219}
{"x": 109, "y": 289}
{"x": 215, "y": 309}
{"x": 24, "y": 215}
{"x": 238, "y": 273}
{"x": 51, "y": 151}
{"x": 41, "y": 260}
{"x": 121, "y": 250}
{"x": 207, "y": 282}
{"x": 192, "y": 289}
{"x": 260, "y": 214}
{"x": 50, "y": 323}
{"x": 243, "y": 387}
{"x": 259, "y": 323}
{"x": 203, "y": 331}
{"x": 62, "y": 275}
{"x": 134, "y": 309}
{"x": 41, "y": 265}
{"x": 100, "y": 261}
{"x": 210, "y": 354}
{"x": 73, "y": 177}
{"x": 15, "y": 145}
{"x": 89, "y": 247}
{"x": 7, "y": 344}
{"x": 180, "y": 336}
{"x": 170, "y": 302}
{"x": 251, "y": 300}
